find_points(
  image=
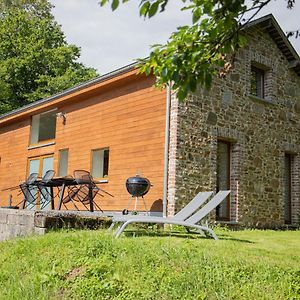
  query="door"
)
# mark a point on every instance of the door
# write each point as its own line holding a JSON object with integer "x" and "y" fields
{"x": 287, "y": 188}
{"x": 40, "y": 165}
{"x": 32, "y": 193}
{"x": 223, "y": 179}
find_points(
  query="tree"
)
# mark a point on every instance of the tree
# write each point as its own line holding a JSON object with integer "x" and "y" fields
{"x": 196, "y": 53}
{"x": 35, "y": 59}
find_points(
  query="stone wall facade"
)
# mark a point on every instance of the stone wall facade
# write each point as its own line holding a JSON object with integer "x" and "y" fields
{"x": 260, "y": 132}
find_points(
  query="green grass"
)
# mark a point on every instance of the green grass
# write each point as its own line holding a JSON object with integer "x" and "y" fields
{"x": 93, "y": 265}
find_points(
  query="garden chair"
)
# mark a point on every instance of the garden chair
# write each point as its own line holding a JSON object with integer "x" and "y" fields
{"x": 29, "y": 191}
{"x": 81, "y": 192}
{"x": 190, "y": 222}
{"x": 46, "y": 193}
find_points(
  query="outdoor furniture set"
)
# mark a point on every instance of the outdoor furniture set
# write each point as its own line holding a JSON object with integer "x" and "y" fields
{"x": 81, "y": 188}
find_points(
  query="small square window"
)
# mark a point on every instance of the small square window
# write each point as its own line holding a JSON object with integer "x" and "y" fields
{"x": 43, "y": 127}
{"x": 100, "y": 159}
{"x": 257, "y": 82}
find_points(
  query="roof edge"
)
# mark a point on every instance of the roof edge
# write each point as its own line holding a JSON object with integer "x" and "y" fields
{"x": 280, "y": 37}
{"x": 78, "y": 87}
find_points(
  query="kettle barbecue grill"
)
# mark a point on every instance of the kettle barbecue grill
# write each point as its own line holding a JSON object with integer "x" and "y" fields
{"x": 137, "y": 186}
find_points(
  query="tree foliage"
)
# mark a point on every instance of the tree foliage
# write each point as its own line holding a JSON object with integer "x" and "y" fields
{"x": 196, "y": 53}
{"x": 35, "y": 59}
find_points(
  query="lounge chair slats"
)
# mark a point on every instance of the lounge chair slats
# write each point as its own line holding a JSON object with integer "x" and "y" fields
{"x": 182, "y": 218}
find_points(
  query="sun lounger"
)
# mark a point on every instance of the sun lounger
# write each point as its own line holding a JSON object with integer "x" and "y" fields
{"x": 182, "y": 215}
{"x": 190, "y": 222}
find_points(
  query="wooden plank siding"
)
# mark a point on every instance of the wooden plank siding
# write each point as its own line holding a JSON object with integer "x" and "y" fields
{"x": 126, "y": 115}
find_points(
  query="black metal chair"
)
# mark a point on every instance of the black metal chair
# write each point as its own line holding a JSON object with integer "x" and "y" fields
{"x": 29, "y": 191}
{"x": 84, "y": 192}
{"x": 46, "y": 193}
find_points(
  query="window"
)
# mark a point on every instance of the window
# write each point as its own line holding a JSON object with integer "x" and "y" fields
{"x": 63, "y": 162}
{"x": 223, "y": 179}
{"x": 287, "y": 182}
{"x": 43, "y": 127}
{"x": 257, "y": 82}
{"x": 100, "y": 159}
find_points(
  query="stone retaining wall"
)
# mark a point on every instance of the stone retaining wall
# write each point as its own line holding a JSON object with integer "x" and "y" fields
{"x": 15, "y": 222}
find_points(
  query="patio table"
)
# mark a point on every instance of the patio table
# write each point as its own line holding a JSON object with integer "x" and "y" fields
{"x": 64, "y": 182}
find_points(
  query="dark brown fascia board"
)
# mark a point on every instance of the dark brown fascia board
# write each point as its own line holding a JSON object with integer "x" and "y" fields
{"x": 76, "y": 88}
{"x": 268, "y": 22}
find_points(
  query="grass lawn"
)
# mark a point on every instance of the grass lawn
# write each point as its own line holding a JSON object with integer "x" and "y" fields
{"x": 93, "y": 265}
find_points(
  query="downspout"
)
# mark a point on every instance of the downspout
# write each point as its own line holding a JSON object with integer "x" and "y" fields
{"x": 166, "y": 154}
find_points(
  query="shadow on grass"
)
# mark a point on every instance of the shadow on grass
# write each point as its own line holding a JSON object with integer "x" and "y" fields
{"x": 229, "y": 238}
{"x": 180, "y": 234}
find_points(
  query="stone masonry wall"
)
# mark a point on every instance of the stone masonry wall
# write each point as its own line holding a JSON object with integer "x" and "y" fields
{"x": 15, "y": 223}
{"x": 260, "y": 131}
{"x": 19, "y": 222}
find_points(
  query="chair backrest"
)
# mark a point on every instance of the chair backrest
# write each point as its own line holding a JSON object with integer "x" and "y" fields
{"x": 208, "y": 207}
{"x": 83, "y": 194}
{"x": 28, "y": 190}
{"x": 48, "y": 176}
{"x": 32, "y": 178}
{"x": 192, "y": 206}
{"x": 82, "y": 176}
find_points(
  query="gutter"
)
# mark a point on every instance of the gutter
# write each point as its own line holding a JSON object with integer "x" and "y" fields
{"x": 166, "y": 153}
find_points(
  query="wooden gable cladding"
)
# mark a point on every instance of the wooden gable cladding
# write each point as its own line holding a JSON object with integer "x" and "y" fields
{"x": 126, "y": 116}
{"x": 130, "y": 121}
{"x": 78, "y": 93}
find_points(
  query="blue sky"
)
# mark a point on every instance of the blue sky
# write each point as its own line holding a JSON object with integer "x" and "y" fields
{"x": 109, "y": 40}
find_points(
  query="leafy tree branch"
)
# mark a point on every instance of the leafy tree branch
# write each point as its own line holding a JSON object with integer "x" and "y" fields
{"x": 194, "y": 54}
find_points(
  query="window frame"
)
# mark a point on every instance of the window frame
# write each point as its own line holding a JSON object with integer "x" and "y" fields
{"x": 40, "y": 158}
{"x": 262, "y": 73}
{"x": 91, "y": 163}
{"x": 59, "y": 159}
{"x": 44, "y": 142}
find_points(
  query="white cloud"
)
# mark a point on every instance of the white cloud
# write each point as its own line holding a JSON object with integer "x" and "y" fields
{"x": 113, "y": 39}
{"x": 109, "y": 40}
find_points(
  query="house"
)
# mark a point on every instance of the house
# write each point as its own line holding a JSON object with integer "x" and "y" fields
{"x": 243, "y": 135}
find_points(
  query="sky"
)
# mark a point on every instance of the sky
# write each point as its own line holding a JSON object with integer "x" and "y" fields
{"x": 110, "y": 40}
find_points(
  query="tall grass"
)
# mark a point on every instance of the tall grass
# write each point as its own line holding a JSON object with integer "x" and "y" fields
{"x": 93, "y": 265}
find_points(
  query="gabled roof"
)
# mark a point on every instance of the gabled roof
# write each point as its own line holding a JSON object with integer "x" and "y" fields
{"x": 270, "y": 24}
{"x": 267, "y": 22}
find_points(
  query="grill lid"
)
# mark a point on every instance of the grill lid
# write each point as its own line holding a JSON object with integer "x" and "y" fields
{"x": 137, "y": 186}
